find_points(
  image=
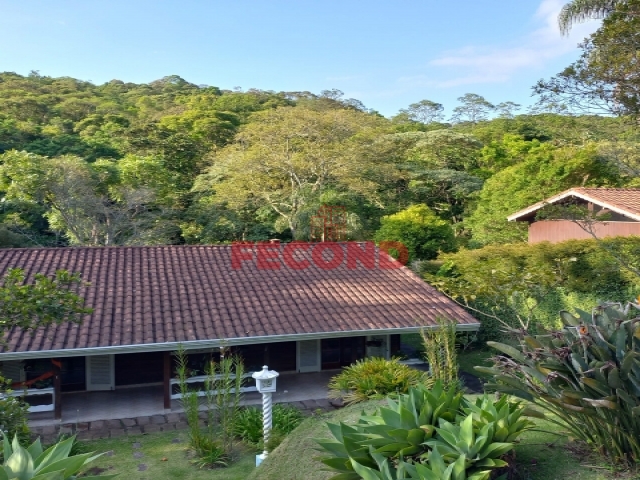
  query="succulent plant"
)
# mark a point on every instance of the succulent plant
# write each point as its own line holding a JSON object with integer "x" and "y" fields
{"x": 34, "y": 463}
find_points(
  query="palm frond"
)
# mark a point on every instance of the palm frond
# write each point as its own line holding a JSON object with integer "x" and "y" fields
{"x": 578, "y": 11}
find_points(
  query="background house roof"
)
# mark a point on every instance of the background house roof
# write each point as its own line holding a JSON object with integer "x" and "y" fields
{"x": 625, "y": 201}
{"x": 147, "y": 297}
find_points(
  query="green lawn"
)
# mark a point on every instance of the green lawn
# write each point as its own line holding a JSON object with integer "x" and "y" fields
{"x": 164, "y": 459}
{"x": 540, "y": 456}
{"x": 477, "y": 357}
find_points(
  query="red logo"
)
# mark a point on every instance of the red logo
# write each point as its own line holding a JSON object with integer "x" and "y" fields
{"x": 323, "y": 255}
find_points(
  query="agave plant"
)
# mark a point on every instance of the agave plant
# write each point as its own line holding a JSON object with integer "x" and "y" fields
{"x": 34, "y": 463}
{"x": 420, "y": 431}
{"x": 587, "y": 375}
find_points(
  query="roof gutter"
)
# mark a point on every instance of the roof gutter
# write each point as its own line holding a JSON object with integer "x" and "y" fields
{"x": 219, "y": 342}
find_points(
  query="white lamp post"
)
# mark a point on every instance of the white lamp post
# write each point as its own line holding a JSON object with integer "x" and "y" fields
{"x": 266, "y": 385}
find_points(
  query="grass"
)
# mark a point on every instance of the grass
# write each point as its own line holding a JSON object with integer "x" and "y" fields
{"x": 163, "y": 458}
{"x": 476, "y": 357}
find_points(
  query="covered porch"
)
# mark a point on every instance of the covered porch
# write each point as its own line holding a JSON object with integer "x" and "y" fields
{"x": 146, "y": 401}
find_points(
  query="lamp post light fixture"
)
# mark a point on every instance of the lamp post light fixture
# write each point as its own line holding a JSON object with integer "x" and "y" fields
{"x": 266, "y": 385}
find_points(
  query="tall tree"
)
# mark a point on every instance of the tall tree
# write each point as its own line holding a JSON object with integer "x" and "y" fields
{"x": 288, "y": 156}
{"x": 424, "y": 111}
{"x": 474, "y": 108}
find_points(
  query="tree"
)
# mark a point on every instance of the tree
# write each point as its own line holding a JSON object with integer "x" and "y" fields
{"x": 577, "y": 11}
{"x": 41, "y": 302}
{"x": 420, "y": 230}
{"x": 87, "y": 202}
{"x": 606, "y": 76}
{"x": 287, "y": 157}
{"x": 507, "y": 109}
{"x": 424, "y": 111}
{"x": 474, "y": 109}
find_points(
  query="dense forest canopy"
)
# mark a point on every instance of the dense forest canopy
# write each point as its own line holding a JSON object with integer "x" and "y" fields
{"x": 171, "y": 162}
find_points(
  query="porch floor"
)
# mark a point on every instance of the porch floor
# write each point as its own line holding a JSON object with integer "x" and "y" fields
{"x": 133, "y": 402}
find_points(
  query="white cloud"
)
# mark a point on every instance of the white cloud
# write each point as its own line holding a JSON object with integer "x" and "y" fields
{"x": 498, "y": 64}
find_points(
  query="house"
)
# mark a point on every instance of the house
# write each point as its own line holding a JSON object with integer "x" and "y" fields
{"x": 149, "y": 301}
{"x": 619, "y": 208}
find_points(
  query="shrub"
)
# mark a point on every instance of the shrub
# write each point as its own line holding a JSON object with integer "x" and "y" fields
{"x": 248, "y": 423}
{"x": 425, "y": 434}
{"x": 373, "y": 378}
{"x": 420, "y": 230}
{"x": 524, "y": 285}
{"x": 587, "y": 375}
{"x": 55, "y": 463}
{"x": 14, "y": 413}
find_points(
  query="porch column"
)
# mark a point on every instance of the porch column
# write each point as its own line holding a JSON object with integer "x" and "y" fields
{"x": 167, "y": 380}
{"x": 57, "y": 389}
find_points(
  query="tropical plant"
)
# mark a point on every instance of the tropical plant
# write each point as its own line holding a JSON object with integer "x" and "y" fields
{"x": 426, "y": 434}
{"x": 587, "y": 376}
{"x": 577, "y": 11}
{"x": 213, "y": 444}
{"x": 440, "y": 352}
{"x": 34, "y": 463}
{"x": 373, "y": 378}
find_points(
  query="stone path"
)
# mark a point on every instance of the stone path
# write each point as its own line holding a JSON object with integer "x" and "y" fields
{"x": 140, "y": 425}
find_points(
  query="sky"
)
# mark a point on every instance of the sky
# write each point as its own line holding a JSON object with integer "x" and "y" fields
{"x": 387, "y": 54}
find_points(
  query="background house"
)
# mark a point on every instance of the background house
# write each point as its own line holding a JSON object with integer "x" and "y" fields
{"x": 148, "y": 301}
{"x": 619, "y": 207}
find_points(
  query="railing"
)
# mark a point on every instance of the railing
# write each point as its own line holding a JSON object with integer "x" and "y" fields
{"x": 49, "y": 407}
{"x": 202, "y": 379}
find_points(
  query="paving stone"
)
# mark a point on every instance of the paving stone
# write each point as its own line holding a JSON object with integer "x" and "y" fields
{"x": 134, "y": 430}
{"x": 172, "y": 417}
{"x": 151, "y": 428}
{"x": 176, "y": 440}
{"x": 116, "y": 432}
{"x": 81, "y": 427}
{"x": 114, "y": 424}
{"x": 324, "y": 403}
{"x": 142, "y": 467}
{"x": 97, "y": 425}
{"x": 136, "y": 445}
{"x": 110, "y": 453}
{"x": 128, "y": 422}
{"x": 143, "y": 420}
{"x": 181, "y": 425}
{"x": 138, "y": 455}
{"x": 158, "y": 419}
{"x": 309, "y": 404}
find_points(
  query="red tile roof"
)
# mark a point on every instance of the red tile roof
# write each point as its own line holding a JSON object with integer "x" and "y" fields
{"x": 625, "y": 201}
{"x": 152, "y": 295}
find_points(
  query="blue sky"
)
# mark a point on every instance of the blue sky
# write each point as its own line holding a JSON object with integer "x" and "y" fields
{"x": 387, "y": 54}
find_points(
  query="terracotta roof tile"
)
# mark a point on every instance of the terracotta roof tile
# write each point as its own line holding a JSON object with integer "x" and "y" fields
{"x": 146, "y": 295}
{"x": 622, "y": 200}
